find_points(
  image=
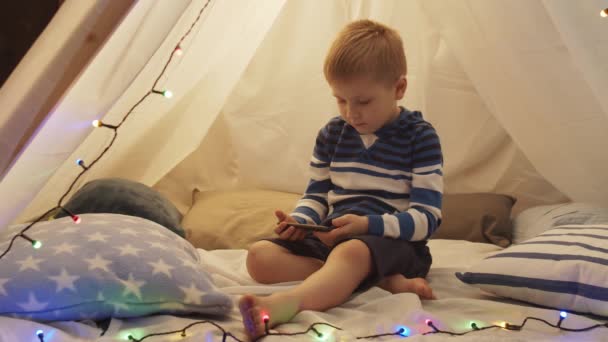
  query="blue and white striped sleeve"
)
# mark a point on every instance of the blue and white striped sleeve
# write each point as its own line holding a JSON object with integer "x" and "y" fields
{"x": 424, "y": 214}
{"x": 312, "y": 208}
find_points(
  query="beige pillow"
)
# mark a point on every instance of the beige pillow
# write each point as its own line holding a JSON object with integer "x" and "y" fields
{"x": 233, "y": 219}
{"x": 477, "y": 217}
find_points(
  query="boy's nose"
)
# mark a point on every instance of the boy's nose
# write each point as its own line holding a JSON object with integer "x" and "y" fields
{"x": 351, "y": 113}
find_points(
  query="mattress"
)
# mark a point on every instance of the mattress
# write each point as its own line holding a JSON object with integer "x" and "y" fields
{"x": 369, "y": 313}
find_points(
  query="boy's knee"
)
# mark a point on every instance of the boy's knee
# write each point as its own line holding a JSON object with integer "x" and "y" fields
{"x": 258, "y": 252}
{"x": 259, "y": 257}
{"x": 354, "y": 250}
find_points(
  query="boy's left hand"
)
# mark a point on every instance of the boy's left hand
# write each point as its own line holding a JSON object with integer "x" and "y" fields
{"x": 347, "y": 225}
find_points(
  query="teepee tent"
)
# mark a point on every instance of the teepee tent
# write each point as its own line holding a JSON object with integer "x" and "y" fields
{"x": 515, "y": 89}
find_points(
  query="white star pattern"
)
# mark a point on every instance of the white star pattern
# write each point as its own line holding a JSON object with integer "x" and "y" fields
{"x": 132, "y": 286}
{"x": 33, "y": 304}
{"x": 158, "y": 245}
{"x": 98, "y": 237}
{"x": 193, "y": 294}
{"x": 98, "y": 222}
{"x": 30, "y": 263}
{"x": 161, "y": 267}
{"x": 69, "y": 229}
{"x": 40, "y": 231}
{"x": 64, "y": 281}
{"x": 157, "y": 233}
{"x": 65, "y": 248}
{"x": 98, "y": 262}
{"x": 128, "y": 249}
{"x": 127, "y": 231}
{"x": 2, "y": 289}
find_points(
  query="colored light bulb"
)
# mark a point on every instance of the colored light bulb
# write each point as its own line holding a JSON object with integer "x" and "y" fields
{"x": 403, "y": 331}
{"x": 563, "y": 314}
{"x": 37, "y": 244}
{"x": 178, "y": 51}
{"x": 604, "y": 13}
{"x": 96, "y": 123}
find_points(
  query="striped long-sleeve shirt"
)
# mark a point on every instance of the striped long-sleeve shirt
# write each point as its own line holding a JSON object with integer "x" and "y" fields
{"x": 397, "y": 182}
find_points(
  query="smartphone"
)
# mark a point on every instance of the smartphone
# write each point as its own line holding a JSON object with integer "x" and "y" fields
{"x": 311, "y": 227}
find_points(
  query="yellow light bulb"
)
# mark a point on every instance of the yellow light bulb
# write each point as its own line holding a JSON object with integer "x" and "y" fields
{"x": 604, "y": 13}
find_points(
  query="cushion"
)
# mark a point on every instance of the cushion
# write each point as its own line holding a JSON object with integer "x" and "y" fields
{"x": 565, "y": 268}
{"x": 109, "y": 265}
{"x": 122, "y": 196}
{"x": 477, "y": 217}
{"x": 233, "y": 219}
{"x": 536, "y": 220}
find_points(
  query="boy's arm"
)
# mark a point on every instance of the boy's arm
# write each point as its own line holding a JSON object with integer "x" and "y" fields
{"x": 424, "y": 215}
{"x": 312, "y": 207}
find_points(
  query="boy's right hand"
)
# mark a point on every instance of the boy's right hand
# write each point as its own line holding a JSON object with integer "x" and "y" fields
{"x": 284, "y": 231}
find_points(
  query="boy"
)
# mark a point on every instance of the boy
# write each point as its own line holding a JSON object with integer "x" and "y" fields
{"x": 376, "y": 177}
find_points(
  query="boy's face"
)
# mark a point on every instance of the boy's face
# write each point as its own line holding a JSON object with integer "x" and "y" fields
{"x": 367, "y": 105}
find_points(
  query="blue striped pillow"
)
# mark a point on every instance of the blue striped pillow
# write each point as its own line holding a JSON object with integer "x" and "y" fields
{"x": 565, "y": 268}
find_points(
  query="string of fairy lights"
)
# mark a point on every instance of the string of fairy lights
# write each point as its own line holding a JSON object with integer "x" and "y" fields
{"x": 401, "y": 331}
{"x": 177, "y": 52}
{"x": 317, "y": 335}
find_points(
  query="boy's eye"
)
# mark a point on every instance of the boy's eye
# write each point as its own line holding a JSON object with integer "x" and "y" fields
{"x": 364, "y": 102}
{"x": 341, "y": 101}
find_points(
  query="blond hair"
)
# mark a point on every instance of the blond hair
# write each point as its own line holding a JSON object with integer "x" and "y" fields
{"x": 365, "y": 48}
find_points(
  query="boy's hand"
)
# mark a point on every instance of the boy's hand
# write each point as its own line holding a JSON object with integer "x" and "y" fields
{"x": 347, "y": 225}
{"x": 291, "y": 233}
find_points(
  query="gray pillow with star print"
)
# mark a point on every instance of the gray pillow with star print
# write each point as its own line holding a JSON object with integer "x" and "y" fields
{"x": 128, "y": 267}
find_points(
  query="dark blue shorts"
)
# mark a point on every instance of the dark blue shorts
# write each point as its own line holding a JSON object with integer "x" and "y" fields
{"x": 389, "y": 256}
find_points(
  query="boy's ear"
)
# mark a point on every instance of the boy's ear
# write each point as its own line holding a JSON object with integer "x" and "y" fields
{"x": 400, "y": 87}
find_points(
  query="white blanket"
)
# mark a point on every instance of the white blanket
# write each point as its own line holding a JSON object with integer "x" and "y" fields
{"x": 372, "y": 312}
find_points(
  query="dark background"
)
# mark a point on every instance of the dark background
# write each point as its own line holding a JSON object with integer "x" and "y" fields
{"x": 21, "y": 22}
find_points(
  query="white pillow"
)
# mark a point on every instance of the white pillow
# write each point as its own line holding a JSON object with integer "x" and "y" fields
{"x": 536, "y": 220}
{"x": 565, "y": 268}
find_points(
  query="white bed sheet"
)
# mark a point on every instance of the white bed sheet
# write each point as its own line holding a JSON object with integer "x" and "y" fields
{"x": 372, "y": 312}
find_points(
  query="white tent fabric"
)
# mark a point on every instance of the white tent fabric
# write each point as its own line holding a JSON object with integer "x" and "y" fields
{"x": 516, "y": 90}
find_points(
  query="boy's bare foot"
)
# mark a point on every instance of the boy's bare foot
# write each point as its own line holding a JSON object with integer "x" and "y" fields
{"x": 398, "y": 283}
{"x": 278, "y": 307}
